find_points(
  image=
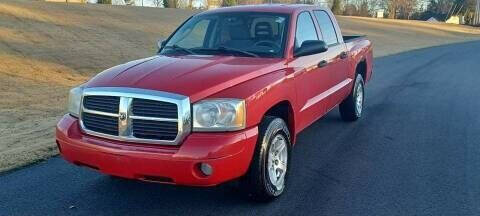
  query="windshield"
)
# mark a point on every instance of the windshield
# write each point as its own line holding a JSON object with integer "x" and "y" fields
{"x": 247, "y": 34}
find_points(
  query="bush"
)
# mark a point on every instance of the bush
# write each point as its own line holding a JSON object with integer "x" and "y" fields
{"x": 337, "y": 6}
{"x": 104, "y": 1}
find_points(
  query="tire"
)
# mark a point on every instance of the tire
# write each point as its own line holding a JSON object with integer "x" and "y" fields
{"x": 351, "y": 108}
{"x": 259, "y": 182}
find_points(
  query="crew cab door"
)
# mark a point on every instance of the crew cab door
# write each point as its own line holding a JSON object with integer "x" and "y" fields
{"x": 337, "y": 54}
{"x": 312, "y": 78}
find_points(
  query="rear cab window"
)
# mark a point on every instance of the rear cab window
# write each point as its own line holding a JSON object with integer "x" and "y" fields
{"x": 326, "y": 27}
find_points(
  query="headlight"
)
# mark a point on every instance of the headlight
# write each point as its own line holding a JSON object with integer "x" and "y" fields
{"x": 74, "y": 99}
{"x": 219, "y": 115}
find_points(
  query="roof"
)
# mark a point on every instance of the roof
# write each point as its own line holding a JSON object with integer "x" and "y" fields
{"x": 273, "y": 8}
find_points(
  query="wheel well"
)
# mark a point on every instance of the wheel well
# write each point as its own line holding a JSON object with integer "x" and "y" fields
{"x": 284, "y": 111}
{"x": 362, "y": 69}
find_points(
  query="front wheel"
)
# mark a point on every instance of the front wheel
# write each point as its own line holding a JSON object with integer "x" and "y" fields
{"x": 267, "y": 174}
{"x": 352, "y": 107}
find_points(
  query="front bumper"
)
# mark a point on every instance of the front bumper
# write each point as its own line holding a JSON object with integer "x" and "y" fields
{"x": 229, "y": 154}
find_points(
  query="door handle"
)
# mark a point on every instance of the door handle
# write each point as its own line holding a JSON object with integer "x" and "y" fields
{"x": 343, "y": 55}
{"x": 322, "y": 63}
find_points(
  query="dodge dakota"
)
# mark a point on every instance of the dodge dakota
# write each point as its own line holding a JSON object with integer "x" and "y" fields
{"x": 223, "y": 99}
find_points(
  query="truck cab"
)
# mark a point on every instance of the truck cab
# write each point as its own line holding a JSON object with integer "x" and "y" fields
{"x": 223, "y": 99}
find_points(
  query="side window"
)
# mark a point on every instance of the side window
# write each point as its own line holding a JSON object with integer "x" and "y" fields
{"x": 326, "y": 26}
{"x": 305, "y": 29}
{"x": 194, "y": 37}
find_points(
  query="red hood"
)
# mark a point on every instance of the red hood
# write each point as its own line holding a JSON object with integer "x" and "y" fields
{"x": 194, "y": 76}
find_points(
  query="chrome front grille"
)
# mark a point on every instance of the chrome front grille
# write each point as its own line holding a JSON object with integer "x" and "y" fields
{"x": 135, "y": 115}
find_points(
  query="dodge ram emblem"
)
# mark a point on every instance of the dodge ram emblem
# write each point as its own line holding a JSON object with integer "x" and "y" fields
{"x": 122, "y": 116}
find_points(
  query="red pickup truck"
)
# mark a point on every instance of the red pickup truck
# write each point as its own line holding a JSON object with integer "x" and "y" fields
{"x": 224, "y": 99}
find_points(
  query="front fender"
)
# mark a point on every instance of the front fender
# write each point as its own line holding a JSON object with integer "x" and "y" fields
{"x": 262, "y": 93}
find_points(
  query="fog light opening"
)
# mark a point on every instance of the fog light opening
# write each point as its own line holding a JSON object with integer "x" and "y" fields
{"x": 206, "y": 169}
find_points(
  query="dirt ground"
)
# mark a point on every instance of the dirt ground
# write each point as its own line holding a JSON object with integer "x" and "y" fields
{"x": 46, "y": 48}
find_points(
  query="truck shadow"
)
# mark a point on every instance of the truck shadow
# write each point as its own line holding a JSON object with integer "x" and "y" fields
{"x": 135, "y": 196}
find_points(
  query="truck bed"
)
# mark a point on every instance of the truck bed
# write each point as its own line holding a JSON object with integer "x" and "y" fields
{"x": 349, "y": 38}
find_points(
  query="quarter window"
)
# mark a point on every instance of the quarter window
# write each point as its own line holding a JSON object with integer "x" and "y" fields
{"x": 305, "y": 29}
{"x": 326, "y": 26}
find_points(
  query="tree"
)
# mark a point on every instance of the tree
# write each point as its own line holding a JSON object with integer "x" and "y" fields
{"x": 363, "y": 9}
{"x": 337, "y": 6}
{"x": 172, "y": 3}
{"x": 400, "y": 9}
{"x": 165, "y": 3}
{"x": 228, "y": 3}
{"x": 350, "y": 10}
{"x": 157, "y": 3}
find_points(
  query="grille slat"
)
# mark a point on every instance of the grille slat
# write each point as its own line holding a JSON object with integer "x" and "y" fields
{"x": 157, "y": 131}
{"x": 99, "y": 107}
{"x": 167, "y": 128}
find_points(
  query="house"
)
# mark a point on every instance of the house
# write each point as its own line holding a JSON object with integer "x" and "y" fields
{"x": 380, "y": 13}
{"x": 456, "y": 20}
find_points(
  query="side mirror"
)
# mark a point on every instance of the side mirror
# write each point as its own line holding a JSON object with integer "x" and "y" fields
{"x": 310, "y": 47}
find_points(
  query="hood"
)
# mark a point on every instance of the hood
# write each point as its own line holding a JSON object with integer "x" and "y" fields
{"x": 194, "y": 76}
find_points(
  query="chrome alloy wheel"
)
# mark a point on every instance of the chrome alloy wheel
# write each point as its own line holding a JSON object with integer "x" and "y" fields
{"x": 359, "y": 99}
{"x": 277, "y": 161}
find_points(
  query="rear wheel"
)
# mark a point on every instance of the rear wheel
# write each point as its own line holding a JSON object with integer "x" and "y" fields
{"x": 267, "y": 174}
{"x": 352, "y": 107}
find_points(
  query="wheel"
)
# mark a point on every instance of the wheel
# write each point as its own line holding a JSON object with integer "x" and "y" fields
{"x": 266, "y": 177}
{"x": 351, "y": 108}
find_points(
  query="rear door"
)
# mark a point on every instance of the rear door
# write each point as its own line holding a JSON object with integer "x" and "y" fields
{"x": 337, "y": 56}
{"x": 312, "y": 81}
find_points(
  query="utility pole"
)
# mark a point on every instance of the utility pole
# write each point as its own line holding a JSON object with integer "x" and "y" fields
{"x": 477, "y": 14}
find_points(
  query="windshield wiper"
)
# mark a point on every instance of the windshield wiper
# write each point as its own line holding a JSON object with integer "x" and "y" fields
{"x": 176, "y": 47}
{"x": 233, "y": 50}
{"x": 224, "y": 49}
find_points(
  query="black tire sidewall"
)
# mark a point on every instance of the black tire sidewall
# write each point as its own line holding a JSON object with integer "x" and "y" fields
{"x": 269, "y": 135}
{"x": 358, "y": 81}
{"x": 256, "y": 181}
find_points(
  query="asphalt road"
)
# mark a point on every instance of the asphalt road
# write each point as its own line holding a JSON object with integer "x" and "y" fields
{"x": 415, "y": 152}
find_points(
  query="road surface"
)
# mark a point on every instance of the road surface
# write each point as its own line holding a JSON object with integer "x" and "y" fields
{"x": 415, "y": 152}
